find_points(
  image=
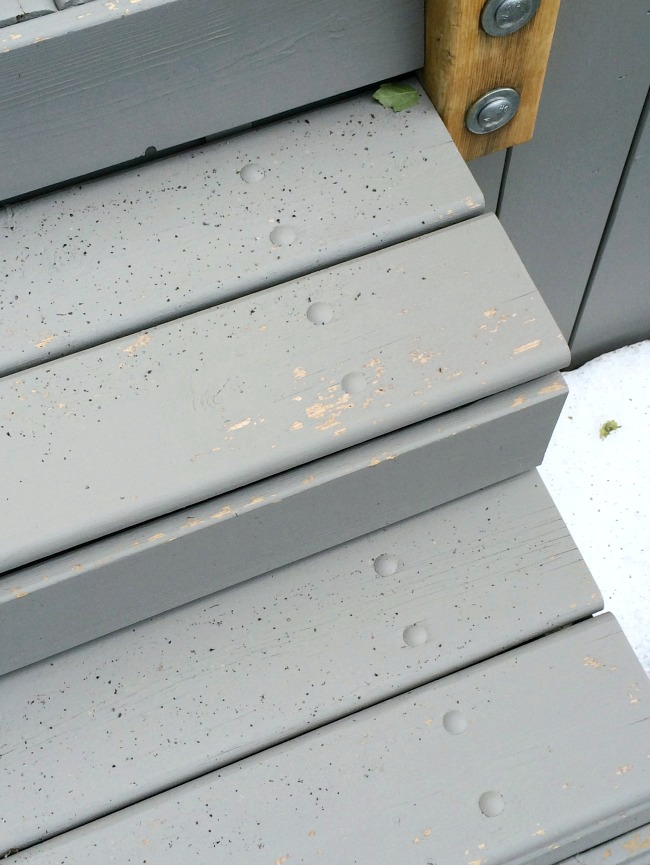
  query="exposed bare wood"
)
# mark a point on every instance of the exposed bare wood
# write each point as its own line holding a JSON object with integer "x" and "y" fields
{"x": 462, "y": 63}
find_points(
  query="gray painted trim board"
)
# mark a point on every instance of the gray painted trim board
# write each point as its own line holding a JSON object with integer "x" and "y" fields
{"x": 204, "y": 685}
{"x": 117, "y": 581}
{"x": 164, "y": 419}
{"x": 87, "y": 89}
{"x": 488, "y": 765}
{"x": 117, "y": 255}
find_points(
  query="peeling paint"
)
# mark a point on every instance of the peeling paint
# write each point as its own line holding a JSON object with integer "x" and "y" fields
{"x": 637, "y": 844}
{"x": 551, "y": 388}
{"x": 241, "y": 424}
{"x": 44, "y": 342}
{"x": 527, "y": 346}
{"x": 140, "y": 342}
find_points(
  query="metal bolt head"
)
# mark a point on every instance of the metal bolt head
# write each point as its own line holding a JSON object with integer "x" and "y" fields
{"x": 492, "y": 111}
{"x": 502, "y": 17}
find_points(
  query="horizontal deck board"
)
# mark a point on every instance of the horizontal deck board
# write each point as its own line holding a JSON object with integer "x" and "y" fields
{"x": 117, "y": 581}
{"x": 201, "y": 686}
{"x": 92, "y": 88}
{"x": 110, "y": 257}
{"x": 525, "y": 759}
{"x": 169, "y": 417}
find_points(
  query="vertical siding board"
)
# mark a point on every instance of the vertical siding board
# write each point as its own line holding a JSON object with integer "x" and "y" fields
{"x": 561, "y": 185}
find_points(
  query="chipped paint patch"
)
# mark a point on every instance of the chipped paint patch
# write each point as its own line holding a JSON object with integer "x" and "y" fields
{"x": 241, "y": 424}
{"x": 527, "y": 346}
{"x": 46, "y": 341}
{"x": 299, "y": 373}
{"x": 192, "y": 521}
{"x": 222, "y": 513}
{"x": 296, "y": 425}
{"x": 256, "y": 500}
{"x": 552, "y": 388}
{"x": 282, "y": 860}
{"x": 374, "y": 462}
{"x": 637, "y": 844}
{"x": 592, "y": 662}
{"x": 157, "y": 536}
{"x": 340, "y": 432}
{"x": 140, "y": 342}
{"x": 489, "y": 313}
{"x": 623, "y": 770}
{"x": 17, "y": 592}
{"x": 309, "y": 479}
{"x": 520, "y": 400}
{"x": 421, "y": 356}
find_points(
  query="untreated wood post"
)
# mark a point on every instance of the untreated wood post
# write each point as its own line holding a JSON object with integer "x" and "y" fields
{"x": 463, "y": 63}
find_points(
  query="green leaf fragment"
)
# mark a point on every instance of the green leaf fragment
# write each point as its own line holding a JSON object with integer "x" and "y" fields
{"x": 608, "y": 427}
{"x": 397, "y": 96}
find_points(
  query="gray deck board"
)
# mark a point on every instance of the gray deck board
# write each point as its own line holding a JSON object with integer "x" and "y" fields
{"x": 185, "y": 411}
{"x": 80, "y": 595}
{"x": 97, "y": 86}
{"x": 494, "y": 764}
{"x": 113, "y": 256}
{"x": 207, "y": 684}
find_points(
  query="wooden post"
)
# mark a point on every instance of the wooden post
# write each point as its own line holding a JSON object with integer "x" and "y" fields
{"x": 462, "y": 63}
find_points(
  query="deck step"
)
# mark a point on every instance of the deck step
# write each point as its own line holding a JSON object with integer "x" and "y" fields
{"x": 114, "y": 256}
{"x": 90, "y": 591}
{"x": 139, "y": 427}
{"x": 525, "y": 759}
{"x": 187, "y": 692}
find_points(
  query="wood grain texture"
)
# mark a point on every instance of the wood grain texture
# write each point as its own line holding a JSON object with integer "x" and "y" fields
{"x": 561, "y": 185}
{"x": 180, "y": 234}
{"x": 175, "y": 415}
{"x": 117, "y": 581}
{"x": 207, "y": 684}
{"x": 462, "y": 62}
{"x": 406, "y": 781}
{"x": 86, "y": 89}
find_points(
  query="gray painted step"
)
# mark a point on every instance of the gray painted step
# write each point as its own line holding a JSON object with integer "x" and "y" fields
{"x": 77, "y": 596}
{"x": 110, "y": 257}
{"x": 113, "y": 436}
{"x": 202, "y": 686}
{"x": 179, "y": 71}
{"x": 633, "y": 848}
{"x": 524, "y": 759}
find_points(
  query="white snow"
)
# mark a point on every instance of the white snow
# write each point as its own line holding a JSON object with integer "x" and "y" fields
{"x": 602, "y": 487}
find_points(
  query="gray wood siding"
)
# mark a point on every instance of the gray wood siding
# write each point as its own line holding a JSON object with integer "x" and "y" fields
{"x": 617, "y": 308}
{"x": 561, "y": 185}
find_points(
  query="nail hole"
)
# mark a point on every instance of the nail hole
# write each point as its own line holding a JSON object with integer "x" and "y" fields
{"x": 454, "y": 722}
{"x": 252, "y": 173}
{"x": 353, "y": 382}
{"x": 415, "y": 635}
{"x": 385, "y": 565}
{"x": 320, "y": 313}
{"x": 491, "y": 803}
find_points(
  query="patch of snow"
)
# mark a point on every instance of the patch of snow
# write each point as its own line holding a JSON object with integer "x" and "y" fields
{"x": 602, "y": 486}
